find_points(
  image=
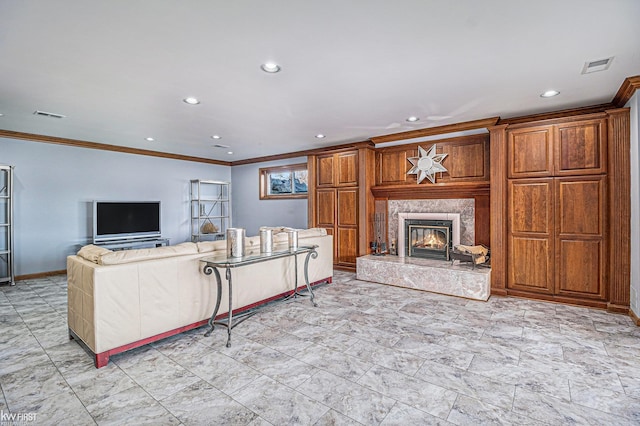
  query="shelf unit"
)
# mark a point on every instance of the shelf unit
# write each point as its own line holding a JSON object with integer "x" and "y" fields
{"x": 210, "y": 209}
{"x": 6, "y": 226}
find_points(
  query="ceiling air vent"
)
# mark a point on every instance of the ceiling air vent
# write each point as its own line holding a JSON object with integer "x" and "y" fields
{"x": 595, "y": 66}
{"x": 218, "y": 145}
{"x": 49, "y": 114}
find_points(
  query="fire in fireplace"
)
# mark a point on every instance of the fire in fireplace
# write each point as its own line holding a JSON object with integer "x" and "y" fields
{"x": 428, "y": 238}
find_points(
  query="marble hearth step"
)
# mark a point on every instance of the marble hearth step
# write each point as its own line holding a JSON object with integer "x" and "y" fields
{"x": 437, "y": 276}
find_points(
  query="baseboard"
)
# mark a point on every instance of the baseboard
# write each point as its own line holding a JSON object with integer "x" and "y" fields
{"x": 40, "y": 275}
{"x": 634, "y": 317}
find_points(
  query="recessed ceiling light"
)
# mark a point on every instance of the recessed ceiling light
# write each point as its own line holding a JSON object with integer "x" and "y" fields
{"x": 230, "y": 152}
{"x": 549, "y": 94}
{"x": 320, "y": 136}
{"x": 412, "y": 119}
{"x": 150, "y": 139}
{"x": 270, "y": 67}
{"x": 191, "y": 101}
{"x": 216, "y": 137}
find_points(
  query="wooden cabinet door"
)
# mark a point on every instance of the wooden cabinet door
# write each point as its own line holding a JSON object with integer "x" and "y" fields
{"x": 530, "y": 152}
{"x": 581, "y": 268}
{"x": 531, "y": 235}
{"x": 347, "y": 226}
{"x": 392, "y": 167}
{"x": 325, "y": 170}
{"x": 347, "y": 169}
{"x": 581, "y": 148}
{"x": 325, "y": 208}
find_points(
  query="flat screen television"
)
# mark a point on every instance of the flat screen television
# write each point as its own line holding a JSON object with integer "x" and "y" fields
{"x": 125, "y": 220}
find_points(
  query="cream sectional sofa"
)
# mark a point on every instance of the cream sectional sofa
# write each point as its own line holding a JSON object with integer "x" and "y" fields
{"x": 119, "y": 300}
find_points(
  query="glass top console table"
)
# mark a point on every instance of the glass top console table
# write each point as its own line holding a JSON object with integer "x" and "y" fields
{"x": 213, "y": 263}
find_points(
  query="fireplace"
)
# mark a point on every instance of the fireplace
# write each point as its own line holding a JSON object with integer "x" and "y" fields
{"x": 428, "y": 238}
{"x": 449, "y": 220}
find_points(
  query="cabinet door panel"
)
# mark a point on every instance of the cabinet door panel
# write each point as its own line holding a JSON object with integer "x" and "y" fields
{"x": 325, "y": 210}
{"x": 531, "y": 235}
{"x": 347, "y": 169}
{"x": 324, "y": 172}
{"x": 580, "y": 206}
{"x": 531, "y": 206}
{"x": 530, "y": 152}
{"x": 580, "y": 148}
{"x": 347, "y": 246}
{"x": 580, "y": 218}
{"x": 347, "y": 207}
{"x": 393, "y": 167}
{"x": 465, "y": 161}
{"x": 581, "y": 268}
{"x": 531, "y": 264}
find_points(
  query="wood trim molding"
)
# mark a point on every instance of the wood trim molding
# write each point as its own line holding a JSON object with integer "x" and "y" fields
{"x": 430, "y": 191}
{"x": 563, "y": 116}
{"x": 634, "y": 317}
{"x": 498, "y": 208}
{"x": 40, "y": 275}
{"x": 106, "y": 147}
{"x": 439, "y": 130}
{"x": 553, "y": 298}
{"x": 619, "y": 179}
{"x": 626, "y": 91}
{"x": 305, "y": 153}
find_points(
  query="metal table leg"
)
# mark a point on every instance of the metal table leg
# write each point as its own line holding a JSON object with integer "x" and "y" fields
{"x": 208, "y": 270}
{"x": 230, "y": 319}
{"x": 312, "y": 254}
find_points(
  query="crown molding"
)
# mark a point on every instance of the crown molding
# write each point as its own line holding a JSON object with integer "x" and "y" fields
{"x": 106, "y": 147}
{"x": 439, "y": 130}
{"x": 626, "y": 91}
{"x": 593, "y": 109}
{"x": 354, "y": 145}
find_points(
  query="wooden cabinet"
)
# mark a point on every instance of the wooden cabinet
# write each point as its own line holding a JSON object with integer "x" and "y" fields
{"x": 581, "y": 265}
{"x": 340, "y": 201}
{"x": 566, "y": 149}
{"x": 580, "y": 148}
{"x": 530, "y": 152}
{"x": 531, "y": 235}
{"x": 339, "y": 169}
{"x": 467, "y": 161}
{"x": 556, "y": 209}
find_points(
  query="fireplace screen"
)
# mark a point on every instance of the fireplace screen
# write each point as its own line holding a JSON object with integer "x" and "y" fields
{"x": 428, "y": 238}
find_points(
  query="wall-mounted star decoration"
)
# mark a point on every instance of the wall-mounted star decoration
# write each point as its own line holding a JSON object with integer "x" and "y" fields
{"x": 427, "y": 164}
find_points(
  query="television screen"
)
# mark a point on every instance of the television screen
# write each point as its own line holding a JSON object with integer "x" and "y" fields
{"x": 122, "y": 220}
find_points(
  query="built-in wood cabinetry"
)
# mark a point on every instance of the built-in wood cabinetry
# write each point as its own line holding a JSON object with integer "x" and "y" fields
{"x": 467, "y": 161}
{"x": 339, "y": 200}
{"x": 555, "y": 177}
{"x": 467, "y": 176}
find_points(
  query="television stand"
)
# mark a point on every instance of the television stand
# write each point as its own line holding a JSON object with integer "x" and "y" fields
{"x": 134, "y": 244}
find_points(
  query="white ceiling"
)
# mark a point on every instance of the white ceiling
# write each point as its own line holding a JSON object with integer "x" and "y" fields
{"x": 351, "y": 69}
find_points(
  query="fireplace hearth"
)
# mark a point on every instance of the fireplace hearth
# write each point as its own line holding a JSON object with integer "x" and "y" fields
{"x": 428, "y": 238}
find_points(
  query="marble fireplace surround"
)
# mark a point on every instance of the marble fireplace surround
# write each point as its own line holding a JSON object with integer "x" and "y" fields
{"x": 463, "y": 206}
{"x": 438, "y": 276}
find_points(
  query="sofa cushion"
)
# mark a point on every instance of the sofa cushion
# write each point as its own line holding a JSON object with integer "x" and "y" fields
{"x": 207, "y": 246}
{"x": 129, "y": 256}
{"x": 92, "y": 253}
{"x": 280, "y": 233}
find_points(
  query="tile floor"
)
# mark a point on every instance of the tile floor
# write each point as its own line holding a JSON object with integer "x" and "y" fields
{"x": 369, "y": 354}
